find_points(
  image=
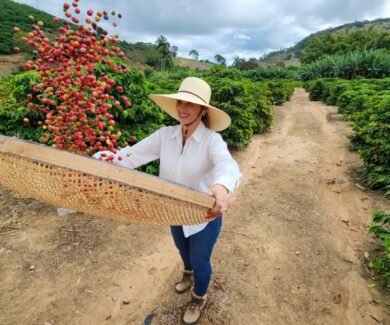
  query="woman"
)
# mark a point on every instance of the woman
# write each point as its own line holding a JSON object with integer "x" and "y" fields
{"x": 194, "y": 155}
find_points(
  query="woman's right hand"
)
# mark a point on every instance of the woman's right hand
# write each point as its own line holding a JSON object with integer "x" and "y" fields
{"x": 222, "y": 200}
{"x": 119, "y": 158}
{"x": 107, "y": 156}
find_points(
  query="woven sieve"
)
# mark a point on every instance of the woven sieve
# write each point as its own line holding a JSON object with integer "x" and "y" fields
{"x": 95, "y": 187}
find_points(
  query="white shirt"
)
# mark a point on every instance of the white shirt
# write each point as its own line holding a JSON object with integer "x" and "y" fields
{"x": 204, "y": 161}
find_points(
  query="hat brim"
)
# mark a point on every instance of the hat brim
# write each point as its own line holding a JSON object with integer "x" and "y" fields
{"x": 218, "y": 119}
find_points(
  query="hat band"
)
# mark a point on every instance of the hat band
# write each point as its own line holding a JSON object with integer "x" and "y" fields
{"x": 185, "y": 91}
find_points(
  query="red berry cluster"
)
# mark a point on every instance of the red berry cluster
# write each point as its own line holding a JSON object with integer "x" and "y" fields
{"x": 75, "y": 99}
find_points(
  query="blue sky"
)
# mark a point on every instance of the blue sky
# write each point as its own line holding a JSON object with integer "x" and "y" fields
{"x": 245, "y": 28}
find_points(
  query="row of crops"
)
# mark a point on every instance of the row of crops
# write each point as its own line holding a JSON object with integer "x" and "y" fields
{"x": 365, "y": 104}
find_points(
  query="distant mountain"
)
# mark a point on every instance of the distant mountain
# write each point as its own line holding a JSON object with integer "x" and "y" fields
{"x": 291, "y": 55}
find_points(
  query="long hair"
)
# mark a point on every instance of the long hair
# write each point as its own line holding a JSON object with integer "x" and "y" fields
{"x": 205, "y": 118}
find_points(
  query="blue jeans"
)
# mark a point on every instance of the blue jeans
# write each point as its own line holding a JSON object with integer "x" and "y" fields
{"x": 196, "y": 250}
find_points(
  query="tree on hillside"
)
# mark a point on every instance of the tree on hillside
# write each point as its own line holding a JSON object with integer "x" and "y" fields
{"x": 250, "y": 64}
{"x": 174, "y": 50}
{"x": 163, "y": 46}
{"x": 317, "y": 47}
{"x": 343, "y": 43}
{"x": 194, "y": 54}
{"x": 220, "y": 59}
{"x": 237, "y": 62}
{"x": 242, "y": 64}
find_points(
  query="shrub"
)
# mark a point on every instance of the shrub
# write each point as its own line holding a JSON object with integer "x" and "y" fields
{"x": 366, "y": 103}
{"x": 380, "y": 228}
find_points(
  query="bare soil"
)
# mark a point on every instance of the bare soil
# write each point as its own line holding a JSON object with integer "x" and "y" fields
{"x": 193, "y": 64}
{"x": 291, "y": 250}
{"x": 12, "y": 63}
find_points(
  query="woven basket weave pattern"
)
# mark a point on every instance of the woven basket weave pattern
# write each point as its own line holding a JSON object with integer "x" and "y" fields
{"x": 63, "y": 187}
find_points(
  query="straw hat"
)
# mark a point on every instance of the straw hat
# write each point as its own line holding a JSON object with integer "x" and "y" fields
{"x": 197, "y": 91}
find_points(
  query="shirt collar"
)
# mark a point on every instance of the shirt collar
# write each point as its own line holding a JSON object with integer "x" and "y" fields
{"x": 197, "y": 135}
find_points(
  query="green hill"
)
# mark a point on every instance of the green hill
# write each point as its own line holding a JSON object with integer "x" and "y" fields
{"x": 16, "y": 14}
{"x": 290, "y": 56}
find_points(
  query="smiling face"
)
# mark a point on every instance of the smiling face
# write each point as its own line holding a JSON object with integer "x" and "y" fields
{"x": 188, "y": 112}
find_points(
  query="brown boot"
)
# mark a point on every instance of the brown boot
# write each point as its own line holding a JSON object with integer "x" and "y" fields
{"x": 185, "y": 283}
{"x": 194, "y": 309}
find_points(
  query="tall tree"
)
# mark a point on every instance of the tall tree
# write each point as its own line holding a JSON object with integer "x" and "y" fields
{"x": 163, "y": 46}
{"x": 174, "y": 50}
{"x": 220, "y": 59}
{"x": 237, "y": 62}
{"x": 194, "y": 54}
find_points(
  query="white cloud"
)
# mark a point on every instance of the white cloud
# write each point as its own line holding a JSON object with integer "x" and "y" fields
{"x": 247, "y": 28}
{"x": 240, "y": 36}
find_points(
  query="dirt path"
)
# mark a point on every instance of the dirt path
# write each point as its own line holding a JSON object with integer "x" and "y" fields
{"x": 291, "y": 250}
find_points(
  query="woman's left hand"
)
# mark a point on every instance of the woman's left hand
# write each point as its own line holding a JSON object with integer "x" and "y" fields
{"x": 222, "y": 200}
